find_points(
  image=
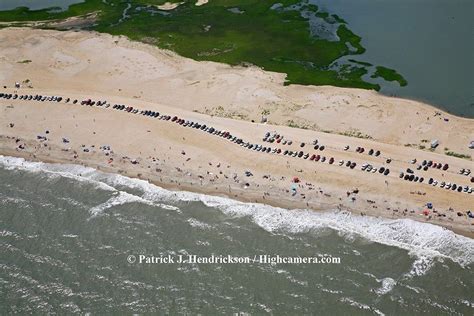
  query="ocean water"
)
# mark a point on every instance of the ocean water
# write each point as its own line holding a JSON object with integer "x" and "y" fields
{"x": 67, "y": 234}
{"x": 37, "y": 4}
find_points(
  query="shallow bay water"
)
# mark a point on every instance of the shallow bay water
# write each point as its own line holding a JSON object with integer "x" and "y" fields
{"x": 36, "y": 4}
{"x": 67, "y": 232}
{"x": 429, "y": 42}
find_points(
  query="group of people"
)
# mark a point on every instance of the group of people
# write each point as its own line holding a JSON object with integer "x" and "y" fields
{"x": 270, "y": 137}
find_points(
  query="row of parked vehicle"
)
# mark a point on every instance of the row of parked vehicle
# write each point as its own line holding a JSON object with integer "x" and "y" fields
{"x": 371, "y": 152}
{"x": 276, "y": 138}
{"x": 279, "y": 139}
{"x": 409, "y": 175}
{"x": 465, "y": 172}
{"x": 369, "y": 168}
{"x": 455, "y": 187}
{"x": 426, "y": 164}
{"x": 30, "y": 97}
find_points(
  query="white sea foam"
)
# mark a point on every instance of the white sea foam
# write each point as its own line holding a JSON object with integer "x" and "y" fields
{"x": 70, "y": 236}
{"x": 198, "y": 224}
{"x": 82, "y": 174}
{"x": 422, "y": 240}
{"x": 7, "y": 233}
{"x": 361, "y": 306}
{"x": 420, "y": 266}
{"x": 387, "y": 285}
{"x": 118, "y": 199}
{"x": 71, "y": 171}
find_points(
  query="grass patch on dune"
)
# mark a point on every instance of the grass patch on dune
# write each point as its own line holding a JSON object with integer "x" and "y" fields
{"x": 457, "y": 155}
{"x": 274, "y": 37}
{"x": 355, "y": 133}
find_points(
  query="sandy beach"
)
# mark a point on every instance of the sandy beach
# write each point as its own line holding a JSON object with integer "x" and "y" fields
{"x": 82, "y": 65}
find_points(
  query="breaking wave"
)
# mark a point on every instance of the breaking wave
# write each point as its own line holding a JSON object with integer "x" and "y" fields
{"x": 422, "y": 240}
{"x": 118, "y": 199}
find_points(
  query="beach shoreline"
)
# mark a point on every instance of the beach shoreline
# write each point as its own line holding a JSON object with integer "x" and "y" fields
{"x": 291, "y": 205}
{"x": 234, "y": 99}
{"x": 185, "y": 160}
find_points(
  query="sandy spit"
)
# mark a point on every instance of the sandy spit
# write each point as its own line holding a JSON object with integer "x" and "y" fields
{"x": 228, "y": 98}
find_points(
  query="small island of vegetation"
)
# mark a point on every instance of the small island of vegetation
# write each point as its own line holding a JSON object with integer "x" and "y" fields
{"x": 389, "y": 75}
